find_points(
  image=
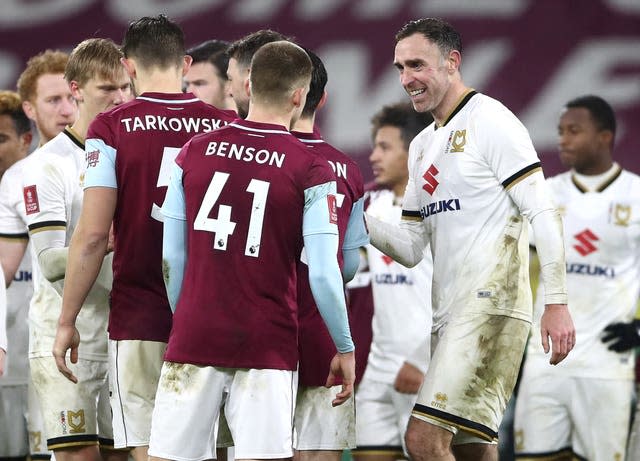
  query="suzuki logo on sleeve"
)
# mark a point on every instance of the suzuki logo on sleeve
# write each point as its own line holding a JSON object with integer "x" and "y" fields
{"x": 585, "y": 244}
{"x": 430, "y": 178}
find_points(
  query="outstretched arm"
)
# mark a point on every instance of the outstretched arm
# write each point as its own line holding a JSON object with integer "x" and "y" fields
{"x": 355, "y": 237}
{"x": 405, "y": 243}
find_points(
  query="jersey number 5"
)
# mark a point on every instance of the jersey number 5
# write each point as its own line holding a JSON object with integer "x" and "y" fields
{"x": 169, "y": 155}
{"x": 222, "y": 226}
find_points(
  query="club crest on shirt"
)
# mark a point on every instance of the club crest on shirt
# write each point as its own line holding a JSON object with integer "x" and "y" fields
{"x": 31, "y": 203}
{"x": 620, "y": 214}
{"x": 456, "y": 142}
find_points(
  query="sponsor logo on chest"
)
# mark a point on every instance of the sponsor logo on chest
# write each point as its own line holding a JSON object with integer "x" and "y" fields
{"x": 441, "y": 206}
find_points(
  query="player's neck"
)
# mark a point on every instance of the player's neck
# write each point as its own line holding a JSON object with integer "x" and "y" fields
{"x": 81, "y": 125}
{"x": 269, "y": 115}
{"x": 602, "y": 166}
{"x": 398, "y": 191}
{"x": 304, "y": 125}
{"x": 158, "y": 81}
{"x": 450, "y": 101}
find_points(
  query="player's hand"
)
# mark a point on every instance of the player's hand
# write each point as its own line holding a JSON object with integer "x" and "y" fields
{"x": 409, "y": 379}
{"x": 343, "y": 365}
{"x": 67, "y": 337}
{"x": 3, "y": 354}
{"x": 556, "y": 324}
{"x": 622, "y": 336}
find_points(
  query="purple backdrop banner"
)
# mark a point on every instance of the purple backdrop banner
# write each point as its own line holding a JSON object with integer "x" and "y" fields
{"x": 533, "y": 55}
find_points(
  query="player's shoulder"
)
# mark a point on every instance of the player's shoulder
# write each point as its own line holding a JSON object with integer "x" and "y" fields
{"x": 629, "y": 182}
{"x": 13, "y": 174}
{"x": 491, "y": 115}
{"x": 118, "y": 112}
{"x": 330, "y": 152}
{"x": 483, "y": 102}
{"x": 223, "y": 114}
{"x": 561, "y": 181}
{"x": 419, "y": 141}
{"x": 630, "y": 176}
{"x": 61, "y": 145}
{"x": 380, "y": 194}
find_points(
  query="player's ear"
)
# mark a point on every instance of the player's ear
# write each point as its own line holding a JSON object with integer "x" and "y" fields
{"x": 29, "y": 110}
{"x": 186, "y": 64}
{"x": 453, "y": 61}
{"x": 606, "y": 137}
{"x": 247, "y": 86}
{"x": 25, "y": 141}
{"x": 75, "y": 90}
{"x": 129, "y": 66}
{"x": 299, "y": 97}
{"x": 323, "y": 100}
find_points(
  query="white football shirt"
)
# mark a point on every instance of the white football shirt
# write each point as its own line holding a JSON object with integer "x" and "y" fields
{"x": 52, "y": 181}
{"x": 602, "y": 246}
{"x": 459, "y": 176}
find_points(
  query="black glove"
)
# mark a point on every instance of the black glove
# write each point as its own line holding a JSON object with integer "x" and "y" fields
{"x": 622, "y": 336}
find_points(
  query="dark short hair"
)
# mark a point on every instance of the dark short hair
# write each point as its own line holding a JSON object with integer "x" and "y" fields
{"x": 11, "y": 105}
{"x": 435, "y": 30}
{"x": 600, "y": 110}
{"x": 213, "y": 52}
{"x": 154, "y": 42}
{"x": 403, "y": 116}
{"x": 278, "y": 68}
{"x": 242, "y": 50}
{"x": 319, "y": 80}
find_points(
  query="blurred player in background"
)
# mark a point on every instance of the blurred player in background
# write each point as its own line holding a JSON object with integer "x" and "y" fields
{"x": 15, "y": 139}
{"x": 47, "y": 101}
{"x": 129, "y": 151}
{"x": 240, "y": 53}
{"x": 401, "y": 322}
{"x": 581, "y": 408}
{"x": 207, "y": 76}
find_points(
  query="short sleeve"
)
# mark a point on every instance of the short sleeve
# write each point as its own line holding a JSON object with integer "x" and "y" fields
{"x": 44, "y": 195}
{"x": 505, "y": 144}
{"x": 100, "y": 154}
